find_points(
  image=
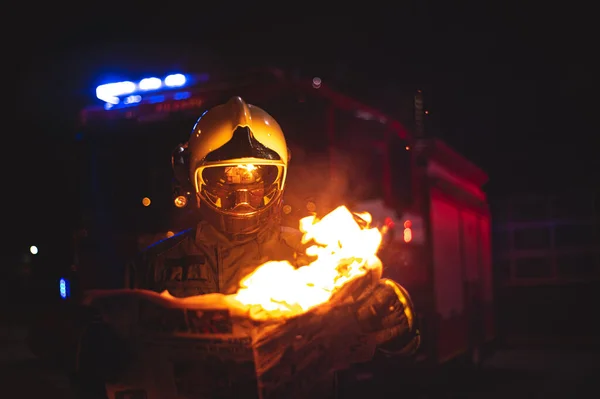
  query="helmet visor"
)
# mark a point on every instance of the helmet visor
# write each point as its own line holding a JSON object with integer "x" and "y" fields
{"x": 239, "y": 188}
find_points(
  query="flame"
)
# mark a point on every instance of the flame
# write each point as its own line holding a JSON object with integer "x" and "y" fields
{"x": 344, "y": 247}
{"x": 249, "y": 167}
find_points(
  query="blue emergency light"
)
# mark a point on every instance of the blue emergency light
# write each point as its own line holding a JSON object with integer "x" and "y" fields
{"x": 64, "y": 289}
{"x": 112, "y": 93}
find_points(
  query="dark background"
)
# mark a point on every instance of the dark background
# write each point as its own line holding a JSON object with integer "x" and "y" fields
{"x": 509, "y": 86}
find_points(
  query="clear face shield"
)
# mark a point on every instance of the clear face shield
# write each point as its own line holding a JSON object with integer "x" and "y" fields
{"x": 240, "y": 189}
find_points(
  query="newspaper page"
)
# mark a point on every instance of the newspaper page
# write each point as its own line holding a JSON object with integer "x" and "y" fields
{"x": 184, "y": 348}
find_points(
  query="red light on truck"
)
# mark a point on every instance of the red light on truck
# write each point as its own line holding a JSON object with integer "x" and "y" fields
{"x": 389, "y": 222}
{"x": 407, "y": 235}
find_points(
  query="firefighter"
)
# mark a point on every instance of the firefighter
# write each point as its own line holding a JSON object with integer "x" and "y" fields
{"x": 232, "y": 171}
{"x": 234, "y": 166}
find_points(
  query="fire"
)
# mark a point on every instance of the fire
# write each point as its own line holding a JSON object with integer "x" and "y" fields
{"x": 343, "y": 249}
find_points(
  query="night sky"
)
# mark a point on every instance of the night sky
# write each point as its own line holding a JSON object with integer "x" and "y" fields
{"x": 510, "y": 88}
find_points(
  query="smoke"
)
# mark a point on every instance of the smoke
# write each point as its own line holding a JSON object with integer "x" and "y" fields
{"x": 324, "y": 180}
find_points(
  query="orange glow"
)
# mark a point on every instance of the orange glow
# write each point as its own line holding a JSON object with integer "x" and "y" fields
{"x": 407, "y": 235}
{"x": 343, "y": 250}
{"x": 180, "y": 201}
{"x": 407, "y": 224}
{"x": 146, "y": 201}
{"x": 249, "y": 167}
{"x": 407, "y": 148}
{"x": 170, "y": 234}
{"x": 389, "y": 222}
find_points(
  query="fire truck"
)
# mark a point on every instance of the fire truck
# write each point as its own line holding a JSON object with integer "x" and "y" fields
{"x": 343, "y": 152}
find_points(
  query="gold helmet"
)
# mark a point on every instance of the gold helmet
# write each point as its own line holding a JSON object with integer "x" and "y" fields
{"x": 238, "y": 158}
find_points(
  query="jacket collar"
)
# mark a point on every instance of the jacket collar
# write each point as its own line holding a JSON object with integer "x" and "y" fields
{"x": 207, "y": 234}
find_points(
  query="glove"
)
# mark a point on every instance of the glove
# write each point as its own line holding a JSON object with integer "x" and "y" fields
{"x": 388, "y": 312}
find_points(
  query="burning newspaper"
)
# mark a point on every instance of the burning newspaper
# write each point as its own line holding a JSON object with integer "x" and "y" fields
{"x": 285, "y": 331}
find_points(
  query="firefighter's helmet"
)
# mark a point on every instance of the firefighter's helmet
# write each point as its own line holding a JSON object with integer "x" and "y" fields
{"x": 237, "y": 157}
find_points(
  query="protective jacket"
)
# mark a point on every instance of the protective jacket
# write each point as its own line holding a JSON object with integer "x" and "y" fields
{"x": 202, "y": 260}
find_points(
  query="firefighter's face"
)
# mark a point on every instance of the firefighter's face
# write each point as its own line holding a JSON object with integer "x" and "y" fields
{"x": 241, "y": 188}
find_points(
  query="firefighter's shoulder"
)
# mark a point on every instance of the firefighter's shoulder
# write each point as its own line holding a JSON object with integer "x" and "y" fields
{"x": 166, "y": 244}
